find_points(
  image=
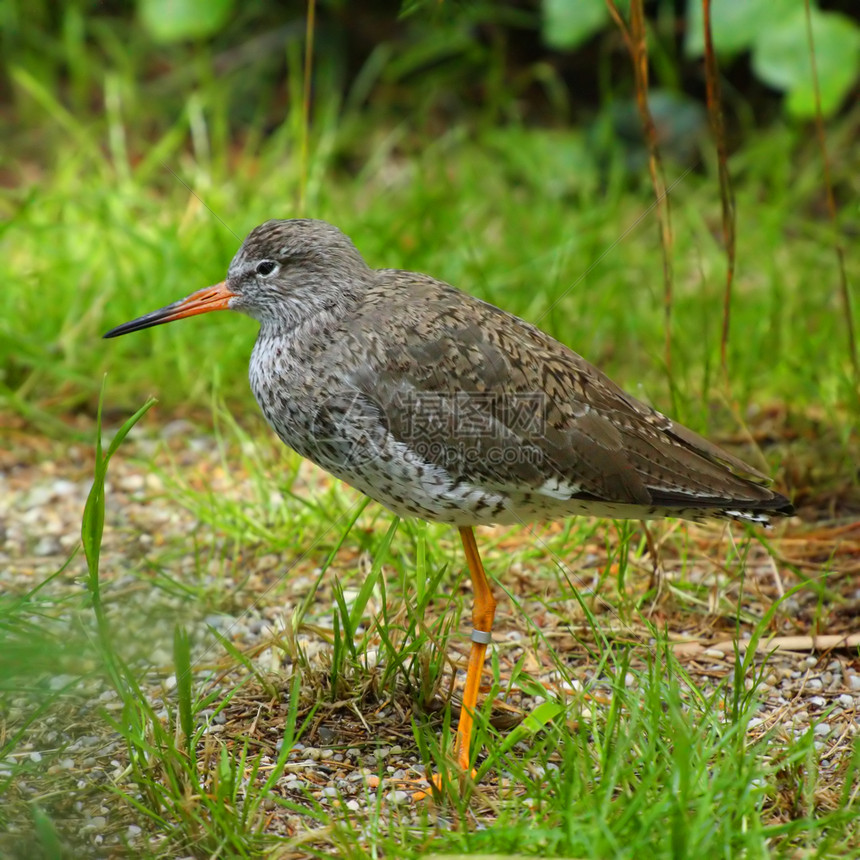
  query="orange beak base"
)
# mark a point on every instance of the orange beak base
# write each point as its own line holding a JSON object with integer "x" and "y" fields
{"x": 215, "y": 298}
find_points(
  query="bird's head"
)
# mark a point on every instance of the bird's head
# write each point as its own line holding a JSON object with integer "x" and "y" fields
{"x": 285, "y": 272}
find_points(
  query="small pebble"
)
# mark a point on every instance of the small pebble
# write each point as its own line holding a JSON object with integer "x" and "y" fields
{"x": 131, "y": 483}
{"x": 822, "y": 730}
{"x": 397, "y": 797}
{"x": 845, "y": 700}
{"x": 814, "y": 684}
{"x": 47, "y": 546}
{"x": 573, "y": 686}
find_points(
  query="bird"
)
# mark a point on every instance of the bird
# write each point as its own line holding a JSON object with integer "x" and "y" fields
{"x": 444, "y": 407}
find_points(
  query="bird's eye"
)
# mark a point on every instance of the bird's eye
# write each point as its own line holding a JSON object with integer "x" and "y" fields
{"x": 266, "y": 267}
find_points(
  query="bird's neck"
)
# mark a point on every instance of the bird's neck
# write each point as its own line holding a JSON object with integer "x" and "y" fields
{"x": 307, "y": 318}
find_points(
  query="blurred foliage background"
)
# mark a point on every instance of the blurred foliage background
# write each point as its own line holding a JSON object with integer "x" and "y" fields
{"x": 494, "y": 144}
{"x": 548, "y": 61}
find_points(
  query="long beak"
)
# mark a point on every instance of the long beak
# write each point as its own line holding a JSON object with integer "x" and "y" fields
{"x": 215, "y": 298}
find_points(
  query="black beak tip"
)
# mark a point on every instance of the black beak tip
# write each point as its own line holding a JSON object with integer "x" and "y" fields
{"x": 116, "y": 331}
{"x": 140, "y": 323}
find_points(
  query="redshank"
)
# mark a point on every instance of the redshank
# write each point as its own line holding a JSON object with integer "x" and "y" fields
{"x": 444, "y": 407}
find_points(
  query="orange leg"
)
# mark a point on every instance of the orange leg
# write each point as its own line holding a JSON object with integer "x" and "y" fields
{"x": 483, "y": 612}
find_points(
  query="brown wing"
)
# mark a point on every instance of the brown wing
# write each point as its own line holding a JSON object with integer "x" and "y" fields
{"x": 480, "y": 392}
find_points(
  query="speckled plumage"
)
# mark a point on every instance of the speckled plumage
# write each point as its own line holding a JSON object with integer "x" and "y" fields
{"x": 441, "y": 406}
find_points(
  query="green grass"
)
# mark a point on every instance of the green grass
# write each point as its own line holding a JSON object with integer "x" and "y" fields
{"x": 577, "y": 260}
{"x": 118, "y": 216}
{"x": 647, "y": 760}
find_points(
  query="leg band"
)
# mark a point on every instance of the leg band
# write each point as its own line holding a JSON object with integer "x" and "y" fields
{"x": 481, "y": 637}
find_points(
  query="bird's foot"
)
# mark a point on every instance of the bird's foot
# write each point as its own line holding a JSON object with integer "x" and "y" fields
{"x": 456, "y": 779}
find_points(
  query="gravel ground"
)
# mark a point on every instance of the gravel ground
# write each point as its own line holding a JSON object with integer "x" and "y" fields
{"x": 354, "y": 755}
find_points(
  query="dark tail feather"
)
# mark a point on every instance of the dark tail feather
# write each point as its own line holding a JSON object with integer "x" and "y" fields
{"x": 758, "y": 511}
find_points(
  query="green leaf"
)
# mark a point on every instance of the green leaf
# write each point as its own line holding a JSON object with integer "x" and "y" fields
{"x": 567, "y": 25}
{"x": 538, "y": 719}
{"x": 176, "y": 20}
{"x": 182, "y": 667}
{"x": 781, "y": 59}
{"x": 46, "y": 833}
{"x": 775, "y": 32}
{"x": 370, "y": 581}
{"x": 543, "y": 714}
{"x": 735, "y": 24}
